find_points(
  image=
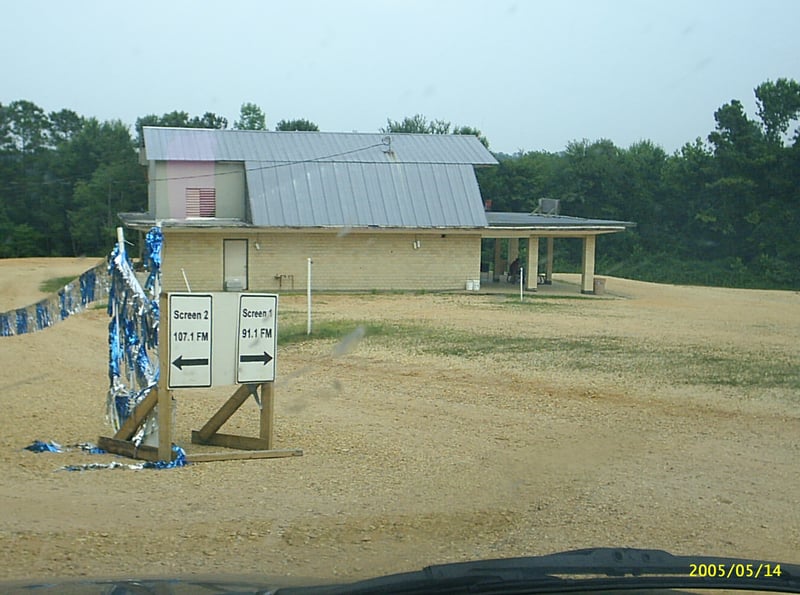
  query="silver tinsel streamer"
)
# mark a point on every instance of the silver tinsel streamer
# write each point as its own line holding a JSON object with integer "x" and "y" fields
{"x": 133, "y": 334}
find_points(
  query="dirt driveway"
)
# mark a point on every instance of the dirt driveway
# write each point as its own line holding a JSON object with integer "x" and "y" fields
{"x": 461, "y": 426}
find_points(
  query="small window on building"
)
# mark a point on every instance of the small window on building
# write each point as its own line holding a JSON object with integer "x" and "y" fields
{"x": 201, "y": 202}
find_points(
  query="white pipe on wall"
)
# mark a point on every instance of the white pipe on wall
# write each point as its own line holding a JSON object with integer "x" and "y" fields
{"x": 186, "y": 280}
{"x": 308, "y": 296}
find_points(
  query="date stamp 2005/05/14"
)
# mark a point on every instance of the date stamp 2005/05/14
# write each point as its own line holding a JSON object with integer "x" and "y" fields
{"x": 743, "y": 570}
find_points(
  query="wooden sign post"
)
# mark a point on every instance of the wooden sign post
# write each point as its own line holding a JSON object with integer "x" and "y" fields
{"x": 196, "y": 338}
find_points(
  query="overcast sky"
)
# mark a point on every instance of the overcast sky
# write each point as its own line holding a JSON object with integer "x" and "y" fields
{"x": 531, "y": 75}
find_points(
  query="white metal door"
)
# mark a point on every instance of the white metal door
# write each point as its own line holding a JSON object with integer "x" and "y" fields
{"x": 235, "y": 264}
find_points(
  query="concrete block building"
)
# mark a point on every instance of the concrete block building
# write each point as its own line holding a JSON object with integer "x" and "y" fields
{"x": 245, "y": 210}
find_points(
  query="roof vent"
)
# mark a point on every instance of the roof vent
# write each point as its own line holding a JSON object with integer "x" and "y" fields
{"x": 386, "y": 141}
{"x": 548, "y": 206}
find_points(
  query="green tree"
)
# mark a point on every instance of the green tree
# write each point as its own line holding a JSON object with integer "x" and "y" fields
{"x": 641, "y": 194}
{"x": 24, "y": 158}
{"x": 64, "y": 125}
{"x": 20, "y": 240}
{"x": 469, "y": 130}
{"x": 593, "y": 178}
{"x": 6, "y": 142}
{"x": 738, "y": 141}
{"x": 518, "y": 183}
{"x": 778, "y": 105}
{"x": 8, "y": 158}
{"x": 209, "y": 120}
{"x": 28, "y": 125}
{"x": 417, "y": 124}
{"x": 179, "y": 119}
{"x": 114, "y": 187}
{"x": 251, "y": 117}
{"x": 301, "y": 124}
{"x": 96, "y": 145}
{"x": 741, "y": 151}
{"x": 688, "y": 214}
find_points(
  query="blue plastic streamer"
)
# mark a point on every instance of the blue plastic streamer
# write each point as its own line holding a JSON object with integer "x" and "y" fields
{"x": 39, "y": 446}
{"x": 132, "y": 343}
{"x": 42, "y": 446}
{"x": 87, "y": 283}
{"x": 150, "y": 325}
{"x": 22, "y": 321}
{"x": 64, "y": 306}
{"x": 114, "y": 350}
{"x": 92, "y": 466}
{"x": 69, "y": 300}
{"x": 143, "y": 366}
{"x": 121, "y": 405}
{"x": 5, "y": 326}
{"x": 43, "y": 319}
{"x": 152, "y": 256}
{"x": 178, "y": 461}
{"x": 51, "y": 446}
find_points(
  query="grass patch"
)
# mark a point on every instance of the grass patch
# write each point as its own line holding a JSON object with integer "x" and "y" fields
{"x": 536, "y": 297}
{"x": 533, "y": 304}
{"x": 740, "y": 370}
{"x": 55, "y": 284}
{"x": 465, "y": 344}
{"x": 293, "y": 332}
{"x": 602, "y": 354}
{"x": 541, "y": 302}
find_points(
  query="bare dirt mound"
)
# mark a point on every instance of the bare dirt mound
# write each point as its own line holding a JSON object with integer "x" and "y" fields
{"x": 462, "y": 426}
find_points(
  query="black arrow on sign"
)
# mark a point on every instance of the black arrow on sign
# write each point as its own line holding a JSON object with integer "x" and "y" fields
{"x": 246, "y": 359}
{"x": 180, "y": 362}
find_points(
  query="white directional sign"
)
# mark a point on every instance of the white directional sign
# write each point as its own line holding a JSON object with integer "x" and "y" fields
{"x": 190, "y": 339}
{"x": 257, "y": 343}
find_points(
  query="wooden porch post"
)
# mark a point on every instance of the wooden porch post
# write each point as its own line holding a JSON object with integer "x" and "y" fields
{"x": 548, "y": 272}
{"x": 587, "y": 274}
{"x": 498, "y": 260}
{"x": 164, "y": 394}
{"x": 532, "y": 264}
{"x": 513, "y": 249}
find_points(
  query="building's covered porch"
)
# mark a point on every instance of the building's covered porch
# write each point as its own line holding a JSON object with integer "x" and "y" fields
{"x": 521, "y": 233}
{"x": 561, "y": 285}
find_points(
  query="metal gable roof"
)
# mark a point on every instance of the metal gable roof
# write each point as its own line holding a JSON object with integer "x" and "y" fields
{"x": 199, "y": 144}
{"x": 323, "y": 179}
{"x": 412, "y": 195}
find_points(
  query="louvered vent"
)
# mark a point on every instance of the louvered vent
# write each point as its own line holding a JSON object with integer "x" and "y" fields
{"x": 201, "y": 202}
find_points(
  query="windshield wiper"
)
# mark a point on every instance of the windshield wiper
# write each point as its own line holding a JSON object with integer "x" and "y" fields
{"x": 585, "y": 570}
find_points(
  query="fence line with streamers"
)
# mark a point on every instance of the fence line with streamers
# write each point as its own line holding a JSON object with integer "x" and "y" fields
{"x": 73, "y": 298}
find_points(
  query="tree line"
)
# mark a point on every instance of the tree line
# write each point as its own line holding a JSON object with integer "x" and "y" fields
{"x": 721, "y": 210}
{"x": 64, "y": 177}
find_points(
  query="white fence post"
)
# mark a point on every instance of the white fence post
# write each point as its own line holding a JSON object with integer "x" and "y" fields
{"x": 308, "y": 296}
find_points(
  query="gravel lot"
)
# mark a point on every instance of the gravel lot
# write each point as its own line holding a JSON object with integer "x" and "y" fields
{"x": 461, "y": 426}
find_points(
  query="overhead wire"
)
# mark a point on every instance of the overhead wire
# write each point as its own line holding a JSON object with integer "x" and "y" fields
{"x": 66, "y": 181}
{"x": 271, "y": 165}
